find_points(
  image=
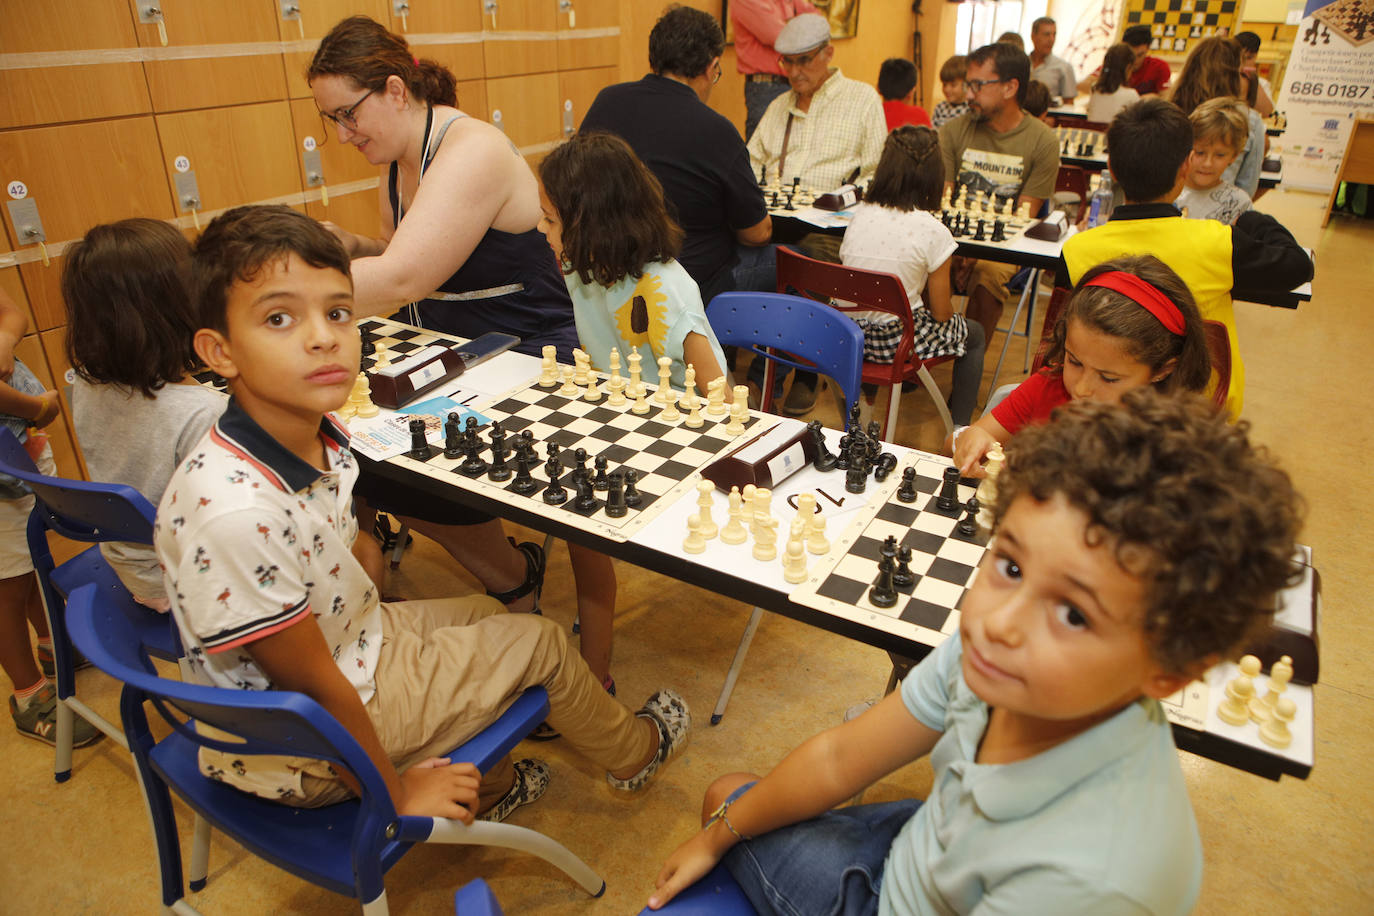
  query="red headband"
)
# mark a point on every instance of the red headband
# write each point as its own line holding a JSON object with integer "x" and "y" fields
{"x": 1143, "y": 294}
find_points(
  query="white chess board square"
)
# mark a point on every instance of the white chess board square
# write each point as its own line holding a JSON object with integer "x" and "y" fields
{"x": 962, "y": 552}
{"x": 945, "y": 594}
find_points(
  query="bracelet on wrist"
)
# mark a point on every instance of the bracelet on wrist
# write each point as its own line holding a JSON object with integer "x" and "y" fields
{"x": 720, "y": 815}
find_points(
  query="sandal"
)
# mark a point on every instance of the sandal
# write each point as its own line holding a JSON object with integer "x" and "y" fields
{"x": 535, "y": 563}
{"x": 531, "y": 779}
{"x": 668, "y": 711}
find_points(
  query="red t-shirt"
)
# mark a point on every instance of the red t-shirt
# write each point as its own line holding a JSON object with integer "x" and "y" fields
{"x": 899, "y": 113}
{"x": 1031, "y": 401}
{"x": 1151, "y": 76}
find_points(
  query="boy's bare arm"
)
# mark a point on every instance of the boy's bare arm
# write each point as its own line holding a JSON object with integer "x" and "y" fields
{"x": 13, "y": 325}
{"x": 298, "y": 659}
{"x": 38, "y": 409}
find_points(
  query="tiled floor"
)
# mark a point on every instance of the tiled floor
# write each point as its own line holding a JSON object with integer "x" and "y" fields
{"x": 1271, "y": 848}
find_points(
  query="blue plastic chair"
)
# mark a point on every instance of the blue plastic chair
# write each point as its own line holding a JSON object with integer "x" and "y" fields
{"x": 773, "y": 325}
{"x": 89, "y": 513}
{"x": 716, "y": 894}
{"x": 346, "y": 848}
{"x": 475, "y": 899}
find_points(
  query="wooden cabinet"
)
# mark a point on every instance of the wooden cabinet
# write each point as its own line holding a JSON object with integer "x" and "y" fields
{"x": 58, "y": 86}
{"x": 507, "y": 52}
{"x": 317, "y": 18}
{"x": 239, "y": 155}
{"x": 472, "y": 98}
{"x": 457, "y": 22}
{"x": 579, "y": 88}
{"x": 595, "y": 42}
{"x": 529, "y": 107}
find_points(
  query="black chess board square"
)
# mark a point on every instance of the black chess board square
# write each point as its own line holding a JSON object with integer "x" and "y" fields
{"x": 609, "y": 434}
{"x": 653, "y": 429}
{"x": 1228, "y": 6}
{"x": 922, "y": 542}
{"x": 516, "y": 424}
{"x": 663, "y": 449}
{"x": 1149, "y": 4}
{"x": 899, "y": 514}
{"x": 616, "y": 454}
{"x": 949, "y": 571}
{"x": 1132, "y": 17}
{"x": 602, "y": 414}
{"x": 564, "y": 438}
{"x": 674, "y": 470}
{"x": 1161, "y": 17}
{"x": 400, "y": 333}
{"x": 845, "y": 591}
{"x": 1175, "y": 6}
{"x": 515, "y": 405}
{"x": 1212, "y": 18}
{"x": 711, "y": 444}
{"x": 923, "y": 613}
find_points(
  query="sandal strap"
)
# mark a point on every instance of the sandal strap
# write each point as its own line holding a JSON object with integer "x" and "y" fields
{"x": 535, "y": 563}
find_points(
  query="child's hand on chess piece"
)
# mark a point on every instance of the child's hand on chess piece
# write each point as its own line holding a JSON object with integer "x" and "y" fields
{"x": 971, "y": 445}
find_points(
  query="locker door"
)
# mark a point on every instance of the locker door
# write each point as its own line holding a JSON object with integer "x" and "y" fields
{"x": 64, "y": 450}
{"x": 10, "y": 283}
{"x": 576, "y": 48}
{"x": 529, "y": 108}
{"x": 317, "y": 18}
{"x": 508, "y": 53}
{"x": 472, "y": 98}
{"x": 51, "y": 92}
{"x": 81, "y": 175}
{"x": 458, "y": 26}
{"x": 350, "y": 181}
{"x": 177, "y": 85}
{"x": 581, "y": 86}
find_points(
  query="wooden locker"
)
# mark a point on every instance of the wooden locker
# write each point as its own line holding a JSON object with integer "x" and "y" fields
{"x": 178, "y": 85}
{"x": 581, "y": 86}
{"x": 512, "y": 56}
{"x": 472, "y": 98}
{"x": 81, "y": 175}
{"x": 10, "y": 283}
{"x": 239, "y": 155}
{"x": 64, "y": 450}
{"x": 317, "y": 18}
{"x": 448, "y": 18}
{"x": 343, "y": 168}
{"x": 529, "y": 107}
{"x": 577, "y": 51}
{"x": 357, "y": 212}
{"x": 48, "y": 93}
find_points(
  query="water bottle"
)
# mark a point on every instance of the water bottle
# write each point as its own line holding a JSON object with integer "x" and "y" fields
{"x": 1100, "y": 206}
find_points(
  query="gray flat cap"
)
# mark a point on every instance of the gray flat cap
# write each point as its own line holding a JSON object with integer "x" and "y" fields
{"x": 803, "y": 33}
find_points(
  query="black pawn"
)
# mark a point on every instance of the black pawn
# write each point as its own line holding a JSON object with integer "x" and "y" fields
{"x": 525, "y": 460}
{"x": 453, "y": 437}
{"x": 906, "y": 493}
{"x": 601, "y": 481}
{"x": 473, "y": 465}
{"x": 615, "y": 496}
{"x": 824, "y": 460}
{"x": 968, "y": 525}
{"x": 902, "y": 576}
{"x": 368, "y": 346}
{"x": 580, "y": 466}
{"x": 419, "y": 445}
{"x": 854, "y": 417}
{"x": 632, "y": 497}
{"x": 842, "y": 459}
{"x": 947, "y": 502}
{"x": 887, "y": 463}
{"x": 554, "y": 494}
{"x": 554, "y": 456}
{"x": 884, "y": 593}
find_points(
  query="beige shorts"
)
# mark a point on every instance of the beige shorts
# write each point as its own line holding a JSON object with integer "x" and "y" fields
{"x": 14, "y": 523}
{"x": 994, "y": 276}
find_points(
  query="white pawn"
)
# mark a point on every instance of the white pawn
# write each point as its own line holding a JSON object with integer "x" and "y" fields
{"x": 617, "y": 388}
{"x": 1023, "y": 213}
{"x": 709, "y": 529}
{"x": 695, "y": 543}
{"x": 593, "y": 392}
{"x": 748, "y": 494}
{"x": 381, "y": 357}
{"x": 636, "y": 384}
{"x": 665, "y": 376}
{"x": 641, "y": 402}
{"x": 816, "y": 542}
{"x": 569, "y": 389}
{"x": 694, "y": 418}
{"x": 364, "y": 407}
{"x": 734, "y": 531}
{"x": 670, "y": 413}
{"x": 1275, "y": 732}
{"x": 794, "y": 560}
{"x": 548, "y": 375}
{"x": 1262, "y": 708}
{"x": 738, "y": 414}
{"x": 1235, "y": 709}
{"x": 765, "y": 537}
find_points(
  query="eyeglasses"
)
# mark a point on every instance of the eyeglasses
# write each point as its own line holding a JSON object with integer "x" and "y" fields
{"x": 344, "y": 117}
{"x": 976, "y": 86}
{"x": 785, "y": 62}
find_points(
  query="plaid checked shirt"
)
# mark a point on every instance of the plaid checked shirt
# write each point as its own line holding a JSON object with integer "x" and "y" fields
{"x": 844, "y": 128}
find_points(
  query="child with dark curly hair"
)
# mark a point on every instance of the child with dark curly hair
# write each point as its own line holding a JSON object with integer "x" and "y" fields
{"x": 1136, "y": 545}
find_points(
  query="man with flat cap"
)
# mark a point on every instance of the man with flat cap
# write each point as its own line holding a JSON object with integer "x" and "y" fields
{"x": 757, "y": 24}
{"x": 826, "y": 129}
{"x": 696, "y": 154}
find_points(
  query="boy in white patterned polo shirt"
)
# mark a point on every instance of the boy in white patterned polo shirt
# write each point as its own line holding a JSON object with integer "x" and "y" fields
{"x": 257, "y": 537}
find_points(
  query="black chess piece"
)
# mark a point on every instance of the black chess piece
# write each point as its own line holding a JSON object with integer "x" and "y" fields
{"x": 774, "y": 203}
{"x": 883, "y": 593}
{"x": 968, "y": 525}
{"x": 763, "y": 175}
{"x": 824, "y": 460}
{"x": 887, "y": 463}
{"x": 980, "y": 235}
{"x": 554, "y": 494}
{"x": 586, "y": 496}
{"x": 889, "y": 547}
{"x": 615, "y": 496}
{"x": 419, "y": 444}
{"x": 947, "y": 503}
{"x": 473, "y": 465}
{"x": 999, "y": 231}
{"x": 906, "y": 493}
{"x": 554, "y": 455}
{"x": 842, "y": 458}
{"x": 525, "y": 460}
{"x": 902, "y": 576}
{"x": 368, "y": 346}
{"x": 500, "y": 468}
{"x": 601, "y": 481}
{"x": 856, "y": 478}
{"x": 633, "y": 499}
{"x": 789, "y": 202}
{"x": 854, "y": 414}
{"x": 579, "y": 469}
{"x": 1065, "y": 150}
{"x": 453, "y": 437}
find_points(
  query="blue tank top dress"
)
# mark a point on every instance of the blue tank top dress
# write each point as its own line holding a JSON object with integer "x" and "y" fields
{"x": 510, "y": 282}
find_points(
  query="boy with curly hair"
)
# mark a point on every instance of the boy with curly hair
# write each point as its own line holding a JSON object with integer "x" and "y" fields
{"x": 1136, "y": 545}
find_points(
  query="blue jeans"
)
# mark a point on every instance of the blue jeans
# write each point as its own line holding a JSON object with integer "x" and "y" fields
{"x": 757, "y": 97}
{"x": 831, "y": 865}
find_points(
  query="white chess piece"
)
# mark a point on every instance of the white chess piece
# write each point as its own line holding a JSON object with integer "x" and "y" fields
{"x": 987, "y": 490}
{"x": 365, "y": 407}
{"x": 816, "y": 542}
{"x": 763, "y": 501}
{"x": 1275, "y": 732}
{"x": 734, "y": 531}
{"x": 709, "y": 529}
{"x": 641, "y": 402}
{"x": 381, "y": 357}
{"x": 694, "y": 543}
{"x": 569, "y": 389}
{"x": 715, "y": 397}
{"x": 593, "y": 392}
{"x": 1262, "y": 708}
{"x": 636, "y": 383}
{"x": 794, "y": 560}
{"x": 1235, "y": 709}
{"x": 670, "y": 413}
{"x": 738, "y": 413}
{"x": 548, "y": 375}
{"x": 617, "y": 388}
{"x": 665, "y": 376}
{"x": 581, "y": 365}
{"x": 806, "y": 512}
{"x": 689, "y": 386}
{"x": 765, "y": 537}
{"x": 694, "y": 419}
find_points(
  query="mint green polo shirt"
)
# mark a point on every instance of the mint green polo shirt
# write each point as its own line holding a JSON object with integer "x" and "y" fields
{"x": 1100, "y": 824}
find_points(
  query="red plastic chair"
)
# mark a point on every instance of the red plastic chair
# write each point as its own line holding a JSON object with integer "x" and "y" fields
{"x": 1079, "y": 123}
{"x": 851, "y": 289}
{"x": 1073, "y": 179}
{"x": 1219, "y": 346}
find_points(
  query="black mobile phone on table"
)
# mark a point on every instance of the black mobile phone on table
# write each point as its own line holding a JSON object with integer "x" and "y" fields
{"x": 480, "y": 349}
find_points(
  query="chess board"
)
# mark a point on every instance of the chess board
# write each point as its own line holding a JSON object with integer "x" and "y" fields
{"x": 1177, "y": 25}
{"x": 398, "y": 339}
{"x": 1352, "y": 19}
{"x": 668, "y": 456}
{"x": 944, "y": 564}
{"x": 775, "y": 196}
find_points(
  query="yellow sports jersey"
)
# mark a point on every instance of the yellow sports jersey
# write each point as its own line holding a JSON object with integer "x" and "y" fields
{"x": 1198, "y": 250}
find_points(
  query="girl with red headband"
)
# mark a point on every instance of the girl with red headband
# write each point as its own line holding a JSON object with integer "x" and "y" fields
{"x": 1130, "y": 322}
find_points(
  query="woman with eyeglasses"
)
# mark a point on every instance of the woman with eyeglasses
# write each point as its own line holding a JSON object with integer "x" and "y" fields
{"x": 459, "y": 203}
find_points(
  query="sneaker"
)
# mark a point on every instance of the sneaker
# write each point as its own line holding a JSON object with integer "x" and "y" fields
{"x": 531, "y": 779}
{"x": 48, "y": 664}
{"x": 801, "y": 397}
{"x": 667, "y": 710}
{"x": 39, "y": 720}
